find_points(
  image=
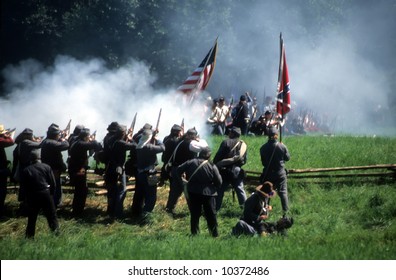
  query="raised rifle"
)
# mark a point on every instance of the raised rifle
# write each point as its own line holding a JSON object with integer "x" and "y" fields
{"x": 253, "y": 116}
{"x": 182, "y": 124}
{"x": 92, "y": 138}
{"x": 66, "y": 131}
{"x": 132, "y": 127}
{"x": 156, "y": 127}
{"x": 10, "y": 132}
{"x": 230, "y": 106}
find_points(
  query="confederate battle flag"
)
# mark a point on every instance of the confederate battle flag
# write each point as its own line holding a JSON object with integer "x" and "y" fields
{"x": 283, "y": 91}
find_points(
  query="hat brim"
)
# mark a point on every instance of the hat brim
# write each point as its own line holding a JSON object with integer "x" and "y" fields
{"x": 267, "y": 195}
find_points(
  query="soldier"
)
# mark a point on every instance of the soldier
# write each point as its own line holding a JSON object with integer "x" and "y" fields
{"x": 137, "y": 135}
{"x": 262, "y": 125}
{"x": 130, "y": 164}
{"x": 39, "y": 182}
{"x": 256, "y": 211}
{"x": 26, "y": 142}
{"x": 78, "y": 166}
{"x": 213, "y": 118}
{"x": 269, "y": 104}
{"x": 273, "y": 155}
{"x": 219, "y": 117}
{"x": 203, "y": 181}
{"x": 103, "y": 155}
{"x": 115, "y": 178}
{"x": 74, "y": 136}
{"x": 187, "y": 148}
{"x": 254, "y": 109}
{"x": 145, "y": 195}
{"x": 240, "y": 115}
{"x": 6, "y": 140}
{"x": 230, "y": 158}
{"x": 170, "y": 143}
{"x": 51, "y": 154}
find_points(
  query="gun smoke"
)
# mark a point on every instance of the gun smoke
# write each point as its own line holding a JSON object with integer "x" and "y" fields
{"x": 90, "y": 94}
{"x": 336, "y": 72}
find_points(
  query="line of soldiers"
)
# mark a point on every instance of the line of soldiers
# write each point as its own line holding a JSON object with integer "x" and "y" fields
{"x": 186, "y": 164}
{"x": 243, "y": 115}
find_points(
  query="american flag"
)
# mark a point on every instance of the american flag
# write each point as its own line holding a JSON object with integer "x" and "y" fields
{"x": 283, "y": 90}
{"x": 199, "y": 79}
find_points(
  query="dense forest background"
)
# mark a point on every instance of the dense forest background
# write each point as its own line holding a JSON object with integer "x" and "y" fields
{"x": 172, "y": 37}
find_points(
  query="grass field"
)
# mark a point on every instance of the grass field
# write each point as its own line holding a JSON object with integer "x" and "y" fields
{"x": 335, "y": 219}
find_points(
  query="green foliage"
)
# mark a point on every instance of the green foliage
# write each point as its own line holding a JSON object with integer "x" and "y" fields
{"x": 154, "y": 30}
{"x": 335, "y": 220}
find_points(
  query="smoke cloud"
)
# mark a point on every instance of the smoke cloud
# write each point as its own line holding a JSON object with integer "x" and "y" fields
{"x": 339, "y": 66}
{"x": 335, "y": 70}
{"x": 92, "y": 95}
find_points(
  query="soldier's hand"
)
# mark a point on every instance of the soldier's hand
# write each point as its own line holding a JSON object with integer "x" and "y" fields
{"x": 263, "y": 217}
{"x": 236, "y": 158}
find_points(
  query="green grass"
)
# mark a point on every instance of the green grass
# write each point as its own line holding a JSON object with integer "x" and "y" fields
{"x": 334, "y": 219}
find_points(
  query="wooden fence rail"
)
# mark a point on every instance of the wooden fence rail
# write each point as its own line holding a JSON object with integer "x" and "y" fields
{"x": 388, "y": 170}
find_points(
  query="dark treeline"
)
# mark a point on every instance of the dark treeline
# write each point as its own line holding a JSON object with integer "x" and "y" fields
{"x": 172, "y": 36}
{"x": 114, "y": 30}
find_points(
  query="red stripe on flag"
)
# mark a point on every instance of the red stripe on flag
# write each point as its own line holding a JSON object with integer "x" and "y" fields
{"x": 199, "y": 79}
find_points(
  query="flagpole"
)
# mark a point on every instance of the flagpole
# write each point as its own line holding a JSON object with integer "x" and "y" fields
{"x": 280, "y": 74}
{"x": 206, "y": 64}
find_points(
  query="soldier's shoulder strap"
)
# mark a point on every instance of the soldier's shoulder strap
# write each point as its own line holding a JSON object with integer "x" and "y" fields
{"x": 243, "y": 148}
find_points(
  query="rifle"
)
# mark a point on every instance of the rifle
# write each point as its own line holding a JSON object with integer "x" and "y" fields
{"x": 66, "y": 131}
{"x": 230, "y": 106}
{"x": 132, "y": 127}
{"x": 253, "y": 116}
{"x": 156, "y": 127}
{"x": 10, "y": 132}
{"x": 182, "y": 124}
{"x": 92, "y": 138}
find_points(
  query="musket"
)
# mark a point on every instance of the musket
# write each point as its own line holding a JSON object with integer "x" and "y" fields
{"x": 66, "y": 131}
{"x": 157, "y": 126}
{"x": 253, "y": 116}
{"x": 91, "y": 138}
{"x": 230, "y": 106}
{"x": 182, "y": 124}
{"x": 132, "y": 127}
{"x": 9, "y": 130}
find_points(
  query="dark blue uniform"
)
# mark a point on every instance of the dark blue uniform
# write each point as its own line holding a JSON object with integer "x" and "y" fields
{"x": 39, "y": 182}
{"x": 273, "y": 157}
{"x": 202, "y": 191}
